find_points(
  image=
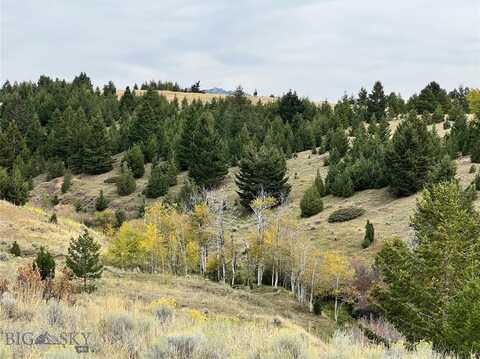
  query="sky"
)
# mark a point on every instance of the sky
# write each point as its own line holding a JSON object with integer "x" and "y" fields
{"x": 322, "y": 49}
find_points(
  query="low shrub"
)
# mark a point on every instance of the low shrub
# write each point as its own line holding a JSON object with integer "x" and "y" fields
{"x": 117, "y": 327}
{"x": 290, "y": 347}
{"x": 15, "y": 249}
{"x": 55, "y": 313}
{"x": 346, "y": 214}
{"x": 8, "y": 305}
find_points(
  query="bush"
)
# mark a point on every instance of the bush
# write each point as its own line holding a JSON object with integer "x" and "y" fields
{"x": 101, "y": 202}
{"x": 113, "y": 179}
{"x": 117, "y": 327}
{"x": 311, "y": 202}
{"x": 15, "y": 249}
{"x": 55, "y": 313}
{"x": 342, "y": 185}
{"x": 446, "y": 125}
{"x": 290, "y": 347}
{"x": 45, "y": 264}
{"x": 477, "y": 182}
{"x": 55, "y": 168}
{"x": 67, "y": 181}
{"x": 320, "y": 185}
{"x": 178, "y": 346}
{"x": 120, "y": 217}
{"x": 346, "y": 214}
{"x": 369, "y": 235}
{"x": 473, "y": 169}
{"x": 126, "y": 183}
{"x": 326, "y": 161}
{"x": 8, "y": 305}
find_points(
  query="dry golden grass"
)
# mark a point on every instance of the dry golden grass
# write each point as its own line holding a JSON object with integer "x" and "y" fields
{"x": 203, "y": 97}
{"x": 131, "y": 315}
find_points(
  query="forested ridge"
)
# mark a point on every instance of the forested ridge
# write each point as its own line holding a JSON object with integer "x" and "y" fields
{"x": 65, "y": 129}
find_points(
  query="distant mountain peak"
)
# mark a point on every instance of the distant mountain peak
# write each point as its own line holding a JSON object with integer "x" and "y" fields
{"x": 219, "y": 91}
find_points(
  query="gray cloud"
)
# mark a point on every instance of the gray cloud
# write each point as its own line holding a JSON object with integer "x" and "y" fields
{"x": 320, "y": 48}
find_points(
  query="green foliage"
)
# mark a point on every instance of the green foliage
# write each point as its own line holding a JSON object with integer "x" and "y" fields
{"x": 13, "y": 187}
{"x": 101, "y": 202}
{"x": 477, "y": 181}
{"x": 158, "y": 183}
{"x": 369, "y": 235}
{"x": 438, "y": 116}
{"x": 424, "y": 282}
{"x": 443, "y": 171}
{"x": 318, "y": 183}
{"x": 126, "y": 183}
{"x": 209, "y": 164}
{"x": 262, "y": 171}
{"x": 120, "y": 217}
{"x": 84, "y": 258}
{"x": 45, "y": 264}
{"x": 446, "y": 124}
{"x": 55, "y": 200}
{"x": 150, "y": 149}
{"x": 135, "y": 161}
{"x": 342, "y": 185}
{"x": 377, "y": 101}
{"x": 411, "y": 156}
{"x": 346, "y": 214}
{"x": 475, "y": 151}
{"x": 96, "y": 157}
{"x": 473, "y": 169}
{"x": 67, "y": 181}
{"x": 311, "y": 202}
{"x": 55, "y": 168}
{"x": 15, "y": 249}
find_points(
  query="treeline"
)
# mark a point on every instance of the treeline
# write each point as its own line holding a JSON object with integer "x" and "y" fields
{"x": 54, "y": 124}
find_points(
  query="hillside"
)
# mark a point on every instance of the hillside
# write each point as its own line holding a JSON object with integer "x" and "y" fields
{"x": 150, "y": 312}
{"x": 203, "y": 97}
{"x": 390, "y": 215}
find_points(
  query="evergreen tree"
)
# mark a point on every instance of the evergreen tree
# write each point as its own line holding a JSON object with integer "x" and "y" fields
{"x": 369, "y": 235}
{"x": 97, "y": 157}
{"x": 13, "y": 187}
{"x": 144, "y": 123}
{"x": 184, "y": 149}
{"x": 101, "y": 202}
{"x": 423, "y": 281}
{"x": 262, "y": 171}
{"x": 126, "y": 182}
{"x": 339, "y": 142}
{"x": 208, "y": 166}
{"x": 438, "y": 116}
{"x": 45, "y": 264}
{"x": 377, "y": 101}
{"x": 475, "y": 151}
{"x": 135, "y": 161}
{"x": 411, "y": 156}
{"x": 127, "y": 101}
{"x": 158, "y": 183}
{"x": 67, "y": 181}
{"x": 443, "y": 171}
{"x": 311, "y": 202}
{"x": 320, "y": 185}
{"x": 84, "y": 258}
{"x": 15, "y": 249}
{"x": 342, "y": 185}
{"x": 150, "y": 149}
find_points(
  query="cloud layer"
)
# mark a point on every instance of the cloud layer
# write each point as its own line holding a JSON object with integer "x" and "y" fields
{"x": 320, "y": 48}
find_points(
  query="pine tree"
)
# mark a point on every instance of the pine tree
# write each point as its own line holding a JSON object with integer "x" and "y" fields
{"x": 67, "y": 181}
{"x": 97, "y": 157}
{"x": 377, "y": 101}
{"x": 411, "y": 156}
{"x": 15, "y": 249}
{"x": 13, "y": 186}
{"x": 342, "y": 185}
{"x": 127, "y": 101}
{"x": 208, "y": 166}
{"x": 150, "y": 149}
{"x": 184, "y": 149}
{"x": 101, "y": 202}
{"x": 262, "y": 171}
{"x": 320, "y": 185}
{"x": 311, "y": 202}
{"x": 158, "y": 183}
{"x": 45, "y": 264}
{"x": 84, "y": 258}
{"x": 135, "y": 161}
{"x": 144, "y": 124}
{"x": 438, "y": 116}
{"x": 339, "y": 142}
{"x": 126, "y": 182}
{"x": 475, "y": 151}
{"x": 369, "y": 235}
{"x": 443, "y": 171}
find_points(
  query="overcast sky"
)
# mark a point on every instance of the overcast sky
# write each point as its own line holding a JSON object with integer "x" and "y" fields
{"x": 321, "y": 48}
